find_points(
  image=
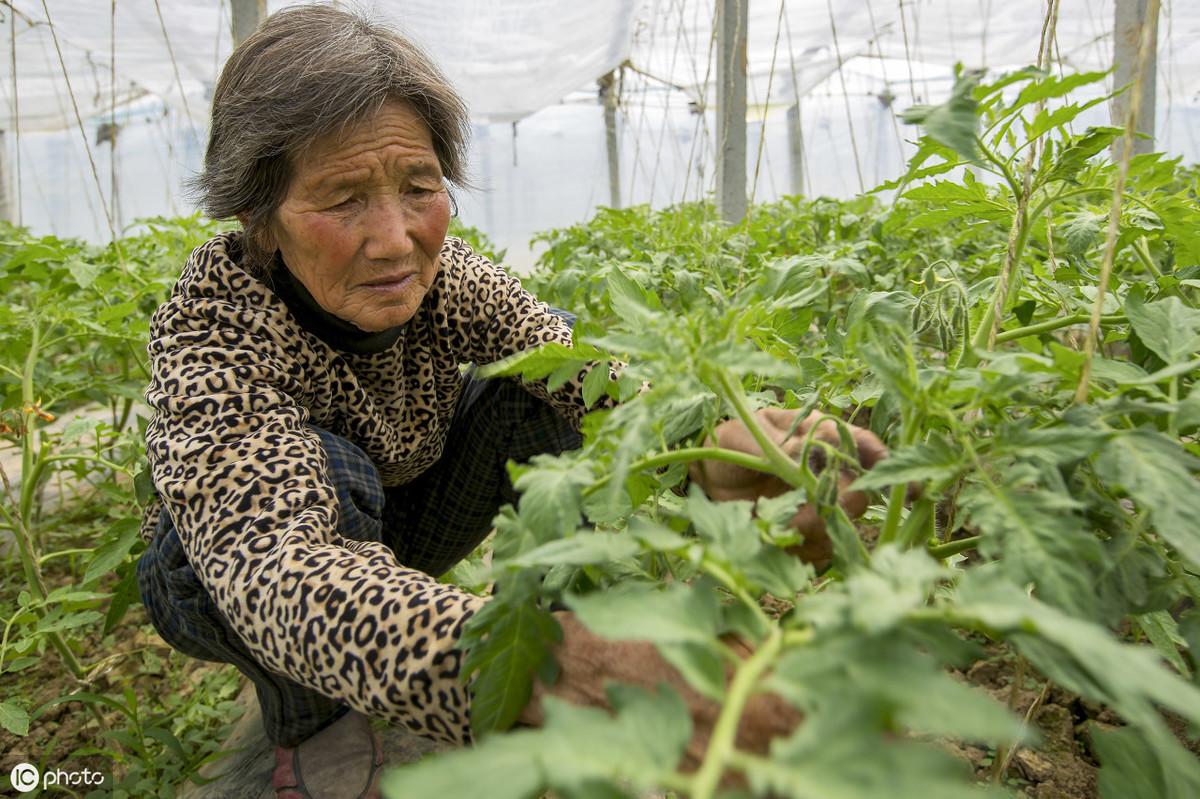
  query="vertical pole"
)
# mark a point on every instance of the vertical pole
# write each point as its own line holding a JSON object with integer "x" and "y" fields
{"x": 796, "y": 147}
{"x": 246, "y": 15}
{"x": 5, "y": 209}
{"x": 1131, "y": 16}
{"x": 731, "y": 109}
{"x": 608, "y": 96}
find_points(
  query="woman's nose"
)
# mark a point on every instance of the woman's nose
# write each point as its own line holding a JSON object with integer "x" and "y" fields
{"x": 388, "y": 232}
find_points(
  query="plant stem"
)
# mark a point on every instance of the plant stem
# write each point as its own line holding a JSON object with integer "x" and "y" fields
{"x": 943, "y": 551}
{"x": 1055, "y": 324}
{"x": 37, "y": 585}
{"x": 1142, "y": 250}
{"x": 1114, "y": 216}
{"x": 726, "y": 579}
{"x": 785, "y": 468}
{"x": 891, "y": 523}
{"x": 686, "y": 454}
{"x": 721, "y": 745}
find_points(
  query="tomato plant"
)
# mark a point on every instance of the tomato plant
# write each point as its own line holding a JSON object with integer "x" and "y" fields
{"x": 1059, "y": 492}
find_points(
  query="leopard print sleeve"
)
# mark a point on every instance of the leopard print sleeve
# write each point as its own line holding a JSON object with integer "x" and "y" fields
{"x": 245, "y": 482}
{"x": 497, "y": 317}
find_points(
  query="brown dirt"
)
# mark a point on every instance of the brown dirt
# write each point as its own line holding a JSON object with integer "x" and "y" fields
{"x": 1061, "y": 765}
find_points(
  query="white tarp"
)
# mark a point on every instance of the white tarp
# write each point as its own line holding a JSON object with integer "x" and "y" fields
{"x": 512, "y": 58}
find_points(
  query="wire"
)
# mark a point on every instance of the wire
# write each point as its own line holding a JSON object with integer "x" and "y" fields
{"x": 887, "y": 84}
{"x": 83, "y": 135}
{"x": 666, "y": 115}
{"x": 16, "y": 120}
{"x": 912, "y": 83}
{"x": 837, "y": 50}
{"x": 112, "y": 115}
{"x": 762, "y": 134}
{"x": 174, "y": 66}
{"x": 804, "y": 173}
{"x": 702, "y": 132}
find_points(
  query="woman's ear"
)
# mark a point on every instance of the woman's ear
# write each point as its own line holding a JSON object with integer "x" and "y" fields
{"x": 264, "y": 239}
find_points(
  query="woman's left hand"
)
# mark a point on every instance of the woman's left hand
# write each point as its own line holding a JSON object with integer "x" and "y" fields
{"x": 724, "y": 481}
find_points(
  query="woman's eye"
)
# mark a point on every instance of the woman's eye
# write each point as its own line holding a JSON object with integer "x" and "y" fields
{"x": 344, "y": 204}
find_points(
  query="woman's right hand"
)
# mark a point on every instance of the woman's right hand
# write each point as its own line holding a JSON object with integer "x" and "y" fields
{"x": 587, "y": 663}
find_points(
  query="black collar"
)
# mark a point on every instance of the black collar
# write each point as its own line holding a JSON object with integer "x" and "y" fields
{"x": 334, "y": 331}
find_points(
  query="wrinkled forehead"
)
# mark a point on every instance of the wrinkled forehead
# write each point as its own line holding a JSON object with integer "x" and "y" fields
{"x": 393, "y": 138}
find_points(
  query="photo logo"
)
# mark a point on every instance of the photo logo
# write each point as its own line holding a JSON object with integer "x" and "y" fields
{"x": 24, "y": 777}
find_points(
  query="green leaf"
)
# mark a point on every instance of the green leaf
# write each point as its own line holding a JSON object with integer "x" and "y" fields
{"x": 935, "y": 459}
{"x": 1189, "y": 410}
{"x": 595, "y": 384}
{"x": 82, "y": 272}
{"x": 676, "y": 614}
{"x": 1084, "y": 657}
{"x": 507, "y": 642}
{"x": 542, "y": 361}
{"x": 508, "y": 761}
{"x": 551, "y": 493}
{"x": 1039, "y": 538}
{"x": 1128, "y": 769}
{"x": 584, "y": 747}
{"x": 700, "y": 665}
{"x": 1055, "y": 86}
{"x": 953, "y": 123}
{"x": 1075, "y": 155}
{"x": 118, "y": 539}
{"x": 580, "y": 549}
{"x": 14, "y": 718}
{"x": 1163, "y": 634}
{"x": 630, "y": 301}
{"x": 829, "y": 757}
{"x": 1168, "y": 327}
{"x": 1157, "y": 473}
{"x": 124, "y": 596}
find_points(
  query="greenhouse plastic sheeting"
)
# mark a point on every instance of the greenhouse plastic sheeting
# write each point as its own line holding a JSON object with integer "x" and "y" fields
{"x": 508, "y": 59}
{"x": 512, "y": 58}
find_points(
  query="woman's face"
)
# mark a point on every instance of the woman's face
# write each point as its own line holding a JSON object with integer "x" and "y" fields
{"x": 364, "y": 219}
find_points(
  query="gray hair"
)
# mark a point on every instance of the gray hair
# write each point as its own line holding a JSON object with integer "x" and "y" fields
{"x": 309, "y": 71}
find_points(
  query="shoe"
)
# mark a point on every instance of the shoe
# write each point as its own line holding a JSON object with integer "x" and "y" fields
{"x": 342, "y": 761}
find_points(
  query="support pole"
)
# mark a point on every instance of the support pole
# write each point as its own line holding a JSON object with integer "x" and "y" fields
{"x": 608, "y": 96}
{"x": 796, "y": 147}
{"x": 731, "y": 109}
{"x": 1131, "y": 16}
{"x": 5, "y": 206}
{"x": 246, "y": 16}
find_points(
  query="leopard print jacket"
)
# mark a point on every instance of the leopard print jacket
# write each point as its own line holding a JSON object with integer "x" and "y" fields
{"x": 235, "y": 379}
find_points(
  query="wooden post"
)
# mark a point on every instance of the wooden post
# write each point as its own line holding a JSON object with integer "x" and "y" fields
{"x": 1131, "y": 16}
{"x": 608, "y": 96}
{"x": 246, "y": 16}
{"x": 5, "y": 205}
{"x": 731, "y": 109}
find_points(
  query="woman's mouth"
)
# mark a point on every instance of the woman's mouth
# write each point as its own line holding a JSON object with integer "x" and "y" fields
{"x": 394, "y": 284}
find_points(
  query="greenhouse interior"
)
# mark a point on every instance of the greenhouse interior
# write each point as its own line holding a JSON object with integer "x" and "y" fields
{"x": 646, "y": 398}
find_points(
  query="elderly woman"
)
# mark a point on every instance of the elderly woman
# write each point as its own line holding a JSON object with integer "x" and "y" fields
{"x": 318, "y": 453}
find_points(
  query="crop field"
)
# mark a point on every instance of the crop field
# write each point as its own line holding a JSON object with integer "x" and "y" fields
{"x": 1018, "y": 318}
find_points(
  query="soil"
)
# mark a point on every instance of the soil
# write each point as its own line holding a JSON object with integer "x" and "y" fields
{"x": 1062, "y": 766}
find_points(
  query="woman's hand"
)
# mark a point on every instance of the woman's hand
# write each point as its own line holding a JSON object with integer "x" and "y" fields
{"x": 724, "y": 481}
{"x": 587, "y": 663}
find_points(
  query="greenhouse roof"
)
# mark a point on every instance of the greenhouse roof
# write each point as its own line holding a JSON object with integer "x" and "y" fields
{"x": 511, "y": 59}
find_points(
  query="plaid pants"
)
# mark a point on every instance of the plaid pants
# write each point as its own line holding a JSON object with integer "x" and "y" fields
{"x": 431, "y": 524}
